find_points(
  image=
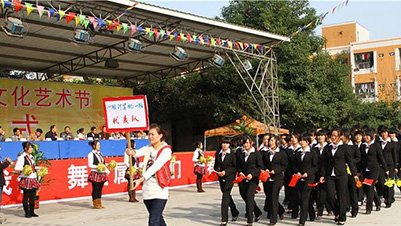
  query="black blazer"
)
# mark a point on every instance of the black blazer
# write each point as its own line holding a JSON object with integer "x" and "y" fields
{"x": 319, "y": 155}
{"x": 279, "y": 164}
{"x": 228, "y": 165}
{"x": 390, "y": 154}
{"x": 3, "y": 165}
{"x": 252, "y": 166}
{"x": 308, "y": 165}
{"x": 290, "y": 153}
{"x": 373, "y": 159}
{"x": 337, "y": 162}
{"x": 355, "y": 154}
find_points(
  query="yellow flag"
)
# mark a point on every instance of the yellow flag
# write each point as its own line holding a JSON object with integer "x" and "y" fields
{"x": 77, "y": 20}
{"x": 119, "y": 27}
{"x": 61, "y": 13}
{"x": 29, "y": 8}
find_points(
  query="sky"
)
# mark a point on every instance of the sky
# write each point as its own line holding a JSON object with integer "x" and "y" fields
{"x": 380, "y": 18}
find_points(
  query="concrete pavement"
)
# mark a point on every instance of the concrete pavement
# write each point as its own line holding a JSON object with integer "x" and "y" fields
{"x": 184, "y": 208}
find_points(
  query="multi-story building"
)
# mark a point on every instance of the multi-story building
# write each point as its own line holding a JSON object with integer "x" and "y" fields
{"x": 375, "y": 64}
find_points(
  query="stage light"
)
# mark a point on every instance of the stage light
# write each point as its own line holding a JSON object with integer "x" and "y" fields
{"x": 248, "y": 65}
{"x": 217, "y": 60}
{"x": 82, "y": 36}
{"x": 134, "y": 45}
{"x": 179, "y": 54}
{"x": 13, "y": 27}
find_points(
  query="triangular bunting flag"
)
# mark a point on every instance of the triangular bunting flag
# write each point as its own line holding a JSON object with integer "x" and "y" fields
{"x": 241, "y": 46}
{"x": 70, "y": 16}
{"x": 51, "y": 12}
{"x": 218, "y": 41}
{"x": 162, "y": 33}
{"x": 147, "y": 30}
{"x": 125, "y": 27}
{"x": 229, "y": 44}
{"x": 86, "y": 23}
{"x": 140, "y": 29}
{"x": 194, "y": 37}
{"x": 29, "y": 8}
{"x": 61, "y": 14}
{"x": 18, "y": 6}
{"x": 156, "y": 32}
{"x": 91, "y": 19}
{"x": 95, "y": 24}
{"x": 82, "y": 18}
{"x": 189, "y": 38}
{"x": 77, "y": 20}
{"x": 212, "y": 41}
{"x": 133, "y": 29}
{"x": 7, "y": 4}
{"x": 171, "y": 37}
{"x": 119, "y": 27}
{"x": 40, "y": 10}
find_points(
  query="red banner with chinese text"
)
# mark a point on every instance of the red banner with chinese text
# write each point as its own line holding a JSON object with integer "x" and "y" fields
{"x": 69, "y": 178}
{"x": 28, "y": 104}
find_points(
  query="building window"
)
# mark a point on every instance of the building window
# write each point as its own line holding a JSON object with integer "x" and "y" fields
{"x": 366, "y": 91}
{"x": 364, "y": 61}
{"x": 399, "y": 58}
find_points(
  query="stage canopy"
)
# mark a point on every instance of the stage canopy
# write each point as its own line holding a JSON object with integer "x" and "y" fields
{"x": 47, "y": 45}
{"x": 258, "y": 128}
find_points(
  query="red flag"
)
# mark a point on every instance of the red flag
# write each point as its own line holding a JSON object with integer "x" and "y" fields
{"x": 313, "y": 185}
{"x": 70, "y": 16}
{"x": 239, "y": 179}
{"x": 368, "y": 182}
{"x": 264, "y": 176}
{"x": 213, "y": 176}
{"x": 294, "y": 180}
{"x": 18, "y": 6}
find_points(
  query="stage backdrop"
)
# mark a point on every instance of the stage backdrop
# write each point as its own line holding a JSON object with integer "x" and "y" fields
{"x": 29, "y": 104}
{"x": 69, "y": 178}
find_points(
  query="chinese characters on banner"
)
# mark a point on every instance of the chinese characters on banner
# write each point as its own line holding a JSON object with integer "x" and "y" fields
{"x": 125, "y": 114}
{"x": 28, "y": 105}
{"x": 68, "y": 178}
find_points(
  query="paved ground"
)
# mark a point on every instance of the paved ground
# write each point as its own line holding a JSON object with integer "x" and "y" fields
{"x": 184, "y": 208}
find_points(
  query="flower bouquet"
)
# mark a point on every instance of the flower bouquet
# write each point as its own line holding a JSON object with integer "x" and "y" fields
{"x": 112, "y": 164}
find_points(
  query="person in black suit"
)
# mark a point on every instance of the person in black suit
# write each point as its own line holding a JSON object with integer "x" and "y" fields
{"x": 358, "y": 141}
{"x": 225, "y": 167}
{"x": 321, "y": 189}
{"x": 334, "y": 173}
{"x": 393, "y": 133}
{"x": 249, "y": 166}
{"x": 264, "y": 151}
{"x": 275, "y": 163}
{"x": 285, "y": 140}
{"x": 292, "y": 192}
{"x": 391, "y": 158}
{"x": 352, "y": 196}
{"x": 306, "y": 165}
{"x": 371, "y": 159}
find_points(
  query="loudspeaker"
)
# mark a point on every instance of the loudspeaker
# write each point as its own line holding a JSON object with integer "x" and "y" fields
{"x": 111, "y": 63}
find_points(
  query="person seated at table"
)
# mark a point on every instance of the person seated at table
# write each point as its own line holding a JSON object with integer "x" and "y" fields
{"x": 93, "y": 134}
{"x": 37, "y": 135}
{"x": 81, "y": 134}
{"x": 104, "y": 135}
{"x": 52, "y": 133}
{"x": 67, "y": 134}
{"x": 16, "y": 134}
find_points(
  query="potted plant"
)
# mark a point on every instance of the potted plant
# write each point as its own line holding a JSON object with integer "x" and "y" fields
{"x": 42, "y": 164}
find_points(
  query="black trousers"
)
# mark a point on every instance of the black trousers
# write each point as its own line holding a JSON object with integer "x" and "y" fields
{"x": 336, "y": 193}
{"x": 321, "y": 199}
{"x": 247, "y": 191}
{"x": 304, "y": 192}
{"x": 273, "y": 205}
{"x": 352, "y": 195}
{"x": 227, "y": 200}
{"x": 28, "y": 200}
{"x": 97, "y": 188}
{"x": 388, "y": 193}
{"x": 371, "y": 194}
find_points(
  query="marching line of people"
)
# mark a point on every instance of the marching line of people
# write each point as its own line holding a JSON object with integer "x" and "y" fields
{"x": 336, "y": 171}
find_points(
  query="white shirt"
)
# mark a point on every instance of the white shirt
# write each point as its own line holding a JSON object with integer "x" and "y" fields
{"x": 384, "y": 142}
{"x": 333, "y": 152}
{"x": 248, "y": 153}
{"x": 321, "y": 147}
{"x": 195, "y": 157}
{"x": 273, "y": 152}
{"x": 151, "y": 188}
{"x": 303, "y": 152}
{"x": 19, "y": 166}
{"x": 223, "y": 154}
